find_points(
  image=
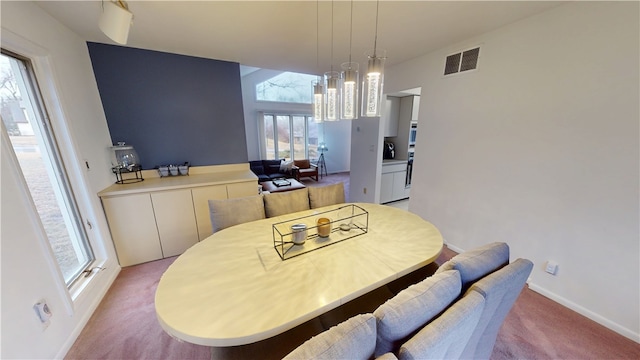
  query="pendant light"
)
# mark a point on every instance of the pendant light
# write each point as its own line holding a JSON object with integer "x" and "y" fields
{"x": 372, "y": 83}
{"x": 115, "y": 21}
{"x": 349, "y": 108}
{"x": 318, "y": 100}
{"x": 333, "y": 86}
{"x": 317, "y": 85}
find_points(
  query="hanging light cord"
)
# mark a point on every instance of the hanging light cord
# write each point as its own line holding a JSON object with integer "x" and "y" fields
{"x": 317, "y": 35}
{"x": 350, "y": 33}
{"x": 375, "y": 40}
{"x": 331, "y": 35}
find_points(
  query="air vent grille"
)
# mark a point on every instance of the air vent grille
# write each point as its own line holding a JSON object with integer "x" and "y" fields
{"x": 469, "y": 59}
{"x": 462, "y": 61}
{"x": 453, "y": 64}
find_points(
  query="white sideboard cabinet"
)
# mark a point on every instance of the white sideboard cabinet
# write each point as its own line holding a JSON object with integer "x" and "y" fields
{"x": 175, "y": 221}
{"x": 133, "y": 228}
{"x": 163, "y": 217}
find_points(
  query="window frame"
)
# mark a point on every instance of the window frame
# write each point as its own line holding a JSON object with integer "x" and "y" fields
{"x": 53, "y": 158}
{"x": 274, "y": 118}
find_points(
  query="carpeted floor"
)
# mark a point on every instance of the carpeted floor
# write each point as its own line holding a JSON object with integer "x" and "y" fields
{"x": 125, "y": 326}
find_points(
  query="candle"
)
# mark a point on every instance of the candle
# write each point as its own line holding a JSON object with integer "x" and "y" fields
{"x": 324, "y": 227}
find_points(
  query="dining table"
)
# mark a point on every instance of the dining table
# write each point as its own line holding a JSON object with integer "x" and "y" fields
{"x": 235, "y": 287}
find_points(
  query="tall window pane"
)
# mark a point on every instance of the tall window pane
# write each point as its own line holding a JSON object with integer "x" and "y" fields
{"x": 312, "y": 140}
{"x": 40, "y": 163}
{"x": 283, "y": 135}
{"x": 269, "y": 137}
{"x": 299, "y": 137}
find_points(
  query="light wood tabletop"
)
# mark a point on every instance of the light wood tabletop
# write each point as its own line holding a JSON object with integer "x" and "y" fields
{"x": 233, "y": 288}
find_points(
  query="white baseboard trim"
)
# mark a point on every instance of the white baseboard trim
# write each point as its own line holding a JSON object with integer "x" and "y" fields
{"x": 454, "y": 248}
{"x": 587, "y": 313}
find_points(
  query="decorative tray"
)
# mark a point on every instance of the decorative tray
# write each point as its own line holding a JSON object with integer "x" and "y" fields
{"x": 281, "y": 182}
{"x": 305, "y": 234}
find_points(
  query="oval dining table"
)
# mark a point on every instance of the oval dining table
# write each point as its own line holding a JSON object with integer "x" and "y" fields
{"x": 233, "y": 288}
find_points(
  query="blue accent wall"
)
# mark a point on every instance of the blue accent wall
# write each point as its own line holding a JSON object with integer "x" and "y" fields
{"x": 171, "y": 108}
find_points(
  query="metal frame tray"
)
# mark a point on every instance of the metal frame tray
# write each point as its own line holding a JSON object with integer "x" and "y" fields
{"x": 346, "y": 222}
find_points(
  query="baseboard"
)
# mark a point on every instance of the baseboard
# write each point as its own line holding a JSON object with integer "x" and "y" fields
{"x": 587, "y": 313}
{"x": 454, "y": 248}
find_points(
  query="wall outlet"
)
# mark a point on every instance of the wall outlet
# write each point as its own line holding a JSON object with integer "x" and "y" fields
{"x": 364, "y": 190}
{"x": 551, "y": 268}
{"x": 43, "y": 312}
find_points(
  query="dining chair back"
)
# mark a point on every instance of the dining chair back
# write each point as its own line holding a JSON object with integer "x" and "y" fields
{"x": 281, "y": 203}
{"x": 320, "y": 196}
{"x": 447, "y": 335}
{"x": 477, "y": 263}
{"x": 228, "y": 212}
{"x": 354, "y": 339}
{"x": 500, "y": 290}
{"x": 402, "y": 315}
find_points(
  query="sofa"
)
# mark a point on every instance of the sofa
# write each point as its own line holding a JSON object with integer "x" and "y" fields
{"x": 267, "y": 170}
{"x": 454, "y": 314}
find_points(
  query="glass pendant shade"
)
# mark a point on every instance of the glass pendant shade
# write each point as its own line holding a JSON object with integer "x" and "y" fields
{"x": 318, "y": 100}
{"x": 372, "y": 85}
{"x": 350, "y": 83}
{"x": 333, "y": 89}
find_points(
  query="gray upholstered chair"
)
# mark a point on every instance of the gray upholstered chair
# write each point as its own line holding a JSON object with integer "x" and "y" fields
{"x": 276, "y": 204}
{"x": 354, "y": 339}
{"x": 326, "y": 195}
{"x": 447, "y": 335}
{"x": 412, "y": 308}
{"x": 500, "y": 290}
{"x": 228, "y": 212}
{"x": 477, "y": 263}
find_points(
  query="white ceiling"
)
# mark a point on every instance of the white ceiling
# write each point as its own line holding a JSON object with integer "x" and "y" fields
{"x": 284, "y": 35}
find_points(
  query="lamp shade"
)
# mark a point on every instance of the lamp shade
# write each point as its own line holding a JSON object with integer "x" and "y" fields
{"x": 318, "y": 100}
{"x": 372, "y": 86}
{"x": 350, "y": 85}
{"x": 332, "y": 83}
{"x": 115, "y": 22}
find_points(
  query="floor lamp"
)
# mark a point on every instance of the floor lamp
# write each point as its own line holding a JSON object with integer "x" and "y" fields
{"x": 322, "y": 166}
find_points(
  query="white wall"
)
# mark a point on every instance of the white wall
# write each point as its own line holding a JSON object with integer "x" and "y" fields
{"x": 63, "y": 68}
{"x": 540, "y": 148}
{"x": 366, "y": 160}
{"x": 336, "y": 134}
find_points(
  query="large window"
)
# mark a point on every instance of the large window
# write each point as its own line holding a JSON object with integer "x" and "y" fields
{"x": 35, "y": 148}
{"x": 290, "y": 137}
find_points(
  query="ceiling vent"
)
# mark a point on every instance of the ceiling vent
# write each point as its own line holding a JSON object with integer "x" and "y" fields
{"x": 462, "y": 61}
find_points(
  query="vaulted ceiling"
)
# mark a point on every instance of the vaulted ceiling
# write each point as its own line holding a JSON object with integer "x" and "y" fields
{"x": 297, "y": 35}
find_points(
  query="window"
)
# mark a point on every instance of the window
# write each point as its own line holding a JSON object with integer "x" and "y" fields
{"x": 34, "y": 145}
{"x": 287, "y": 87}
{"x": 290, "y": 137}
